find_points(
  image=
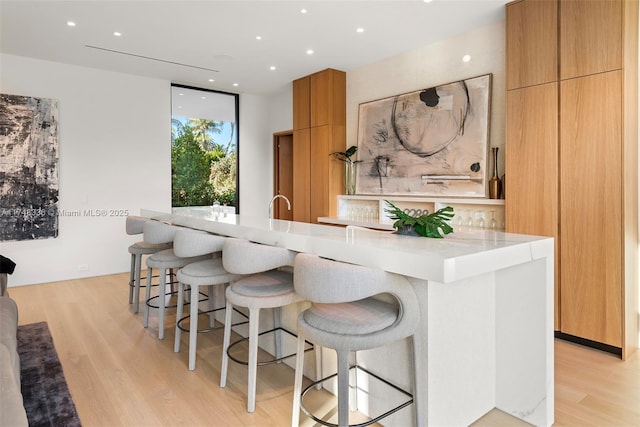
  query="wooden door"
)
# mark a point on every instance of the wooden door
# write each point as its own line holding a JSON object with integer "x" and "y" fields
{"x": 531, "y": 166}
{"x": 532, "y": 43}
{"x": 591, "y": 207}
{"x": 301, "y": 175}
{"x": 591, "y": 37}
{"x": 283, "y": 173}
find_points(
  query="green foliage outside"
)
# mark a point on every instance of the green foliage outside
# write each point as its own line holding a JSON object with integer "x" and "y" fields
{"x": 200, "y": 175}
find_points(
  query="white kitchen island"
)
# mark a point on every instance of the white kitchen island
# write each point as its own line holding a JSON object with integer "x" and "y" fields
{"x": 486, "y": 299}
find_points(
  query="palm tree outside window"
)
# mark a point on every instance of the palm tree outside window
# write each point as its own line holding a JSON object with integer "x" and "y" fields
{"x": 204, "y": 147}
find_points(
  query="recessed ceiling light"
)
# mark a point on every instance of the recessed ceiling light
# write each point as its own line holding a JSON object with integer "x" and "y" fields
{"x": 203, "y": 97}
{"x": 181, "y": 94}
{"x": 427, "y": 1}
{"x": 71, "y": 24}
{"x": 235, "y": 84}
{"x": 360, "y": 30}
{"x": 117, "y": 34}
{"x": 258, "y": 37}
{"x": 273, "y": 67}
{"x": 303, "y": 10}
{"x": 309, "y": 51}
{"x": 211, "y": 80}
{"x": 466, "y": 58}
{"x": 179, "y": 106}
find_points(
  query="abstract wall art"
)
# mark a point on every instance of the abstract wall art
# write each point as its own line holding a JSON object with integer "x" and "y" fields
{"x": 431, "y": 142}
{"x": 28, "y": 168}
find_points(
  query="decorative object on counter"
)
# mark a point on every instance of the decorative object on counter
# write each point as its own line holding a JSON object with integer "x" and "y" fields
{"x": 504, "y": 187}
{"x": 427, "y": 225}
{"x": 432, "y": 141}
{"x": 495, "y": 185}
{"x": 350, "y": 168}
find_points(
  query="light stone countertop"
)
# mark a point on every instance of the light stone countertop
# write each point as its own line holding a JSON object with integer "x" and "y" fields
{"x": 465, "y": 253}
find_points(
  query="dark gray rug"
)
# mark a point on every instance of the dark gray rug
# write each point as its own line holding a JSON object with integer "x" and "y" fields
{"x": 45, "y": 393}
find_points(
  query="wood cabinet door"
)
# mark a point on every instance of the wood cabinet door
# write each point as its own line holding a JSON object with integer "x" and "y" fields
{"x": 301, "y": 109}
{"x": 532, "y": 43}
{"x": 319, "y": 181}
{"x": 301, "y": 175}
{"x": 591, "y": 207}
{"x": 590, "y": 37}
{"x": 531, "y": 166}
{"x": 321, "y": 97}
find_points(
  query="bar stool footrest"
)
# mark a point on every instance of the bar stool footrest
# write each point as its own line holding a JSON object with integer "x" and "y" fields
{"x": 366, "y": 423}
{"x": 211, "y": 329}
{"x": 270, "y": 361}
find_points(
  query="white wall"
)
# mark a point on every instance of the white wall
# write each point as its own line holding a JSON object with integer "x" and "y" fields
{"x": 256, "y": 158}
{"x": 260, "y": 118}
{"x": 433, "y": 65}
{"x": 114, "y": 150}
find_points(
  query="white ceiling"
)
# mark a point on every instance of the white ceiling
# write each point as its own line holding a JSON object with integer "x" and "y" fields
{"x": 158, "y": 36}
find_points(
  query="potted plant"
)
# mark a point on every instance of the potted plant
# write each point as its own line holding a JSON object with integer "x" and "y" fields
{"x": 429, "y": 225}
{"x": 350, "y": 168}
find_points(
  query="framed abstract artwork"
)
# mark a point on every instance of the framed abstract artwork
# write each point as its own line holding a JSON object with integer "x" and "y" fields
{"x": 28, "y": 168}
{"x": 431, "y": 142}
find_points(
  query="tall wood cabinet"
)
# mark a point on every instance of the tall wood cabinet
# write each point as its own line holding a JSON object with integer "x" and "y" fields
{"x": 319, "y": 129}
{"x": 571, "y": 156}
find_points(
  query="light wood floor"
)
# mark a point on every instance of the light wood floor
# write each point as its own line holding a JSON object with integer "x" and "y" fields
{"x": 119, "y": 373}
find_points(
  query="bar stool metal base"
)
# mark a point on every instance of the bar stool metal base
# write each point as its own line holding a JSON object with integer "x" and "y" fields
{"x": 211, "y": 329}
{"x": 132, "y": 284}
{"x": 170, "y": 283}
{"x": 366, "y": 423}
{"x": 270, "y": 361}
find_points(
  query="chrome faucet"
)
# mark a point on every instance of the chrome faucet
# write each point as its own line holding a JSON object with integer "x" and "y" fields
{"x": 274, "y": 198}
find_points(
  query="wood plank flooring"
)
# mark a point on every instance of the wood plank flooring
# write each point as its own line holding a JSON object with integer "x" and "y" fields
{"x": 120, "y": 374}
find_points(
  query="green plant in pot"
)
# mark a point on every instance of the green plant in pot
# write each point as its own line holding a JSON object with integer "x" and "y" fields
{"x": 430, "y": 225}
{"x": 350, "y": 168}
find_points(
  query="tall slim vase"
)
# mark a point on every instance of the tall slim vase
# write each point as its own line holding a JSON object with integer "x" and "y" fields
{"x": 495, "y": 185}
{"x": 350, "y": 178}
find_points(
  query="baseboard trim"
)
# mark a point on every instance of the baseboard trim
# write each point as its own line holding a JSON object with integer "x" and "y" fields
{"x": 589, "y": 343}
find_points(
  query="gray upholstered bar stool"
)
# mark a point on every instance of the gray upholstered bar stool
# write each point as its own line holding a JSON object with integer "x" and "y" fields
{"x": 156, "y": 232}
{"x": 208, "y": 272}
{"x": 137, "y": 250}
{"x": 344, "y": 316}
{"x": 268, "y": 286}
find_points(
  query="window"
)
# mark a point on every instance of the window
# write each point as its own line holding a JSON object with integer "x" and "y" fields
{"x": 204, "y": 147}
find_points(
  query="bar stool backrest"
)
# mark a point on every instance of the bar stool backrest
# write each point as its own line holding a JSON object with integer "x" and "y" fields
{"x": 134, "y": 224}
{"x": 325, "y": 281}
{"x": 190, "y": 243}
{"x": 156, "y": 232}
{"x": 245, "y": 257}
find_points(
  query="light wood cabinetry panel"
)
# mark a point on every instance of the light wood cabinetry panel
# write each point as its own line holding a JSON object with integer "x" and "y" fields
{"x": 532, "y": 43}
{"x": 531, "y": 160}
{"x": 591, "y": 210}
{"x": 328, "y": 98}
{"x": 301, "y": 107}
{"x": 301, "y": 175}
{"x": 317, "y": 177}
{"x": 320, "y": 161}
{"x": 596, "y": 161}
{"x": 591, "y": 37}
{"x": 531, "y": 165}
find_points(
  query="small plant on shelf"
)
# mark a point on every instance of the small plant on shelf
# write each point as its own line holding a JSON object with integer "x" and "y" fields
{"x": 345, "y": 156}
{"x": 430, "y": 225}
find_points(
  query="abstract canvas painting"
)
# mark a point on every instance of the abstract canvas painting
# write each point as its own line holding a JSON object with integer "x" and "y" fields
{"x": 28, "y": 168}
{"x": 433, "y": 141}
